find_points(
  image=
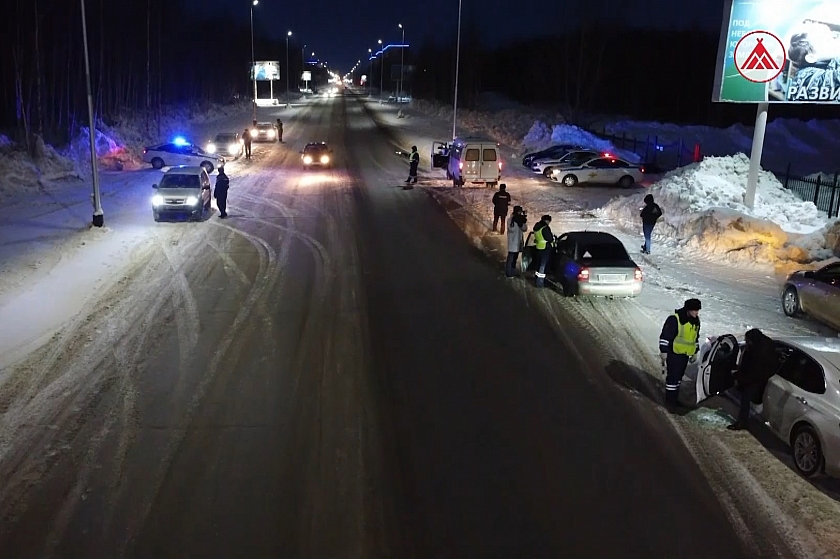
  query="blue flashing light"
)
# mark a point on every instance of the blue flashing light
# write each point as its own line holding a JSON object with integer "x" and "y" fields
{"x": 180, "y": 141}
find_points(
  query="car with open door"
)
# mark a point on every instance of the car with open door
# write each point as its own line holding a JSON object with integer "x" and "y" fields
{"x": 801, "y": 404}
{"x": 588, "y": 263}
{"x": 469, "y": 160}
{"x": 815, "y": 293}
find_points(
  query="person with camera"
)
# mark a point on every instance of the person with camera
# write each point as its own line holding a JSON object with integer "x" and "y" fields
{"x": 515, "y": 239}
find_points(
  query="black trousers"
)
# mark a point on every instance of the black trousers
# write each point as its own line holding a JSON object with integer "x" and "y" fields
{"x": 496, "y": 219}
{"x": 747, "y": 394}
{"x": 412, "y": 171}
{"x": 248, "y": 150}
{"x": 221, "y": 201}
{"x": 676, "y": 365}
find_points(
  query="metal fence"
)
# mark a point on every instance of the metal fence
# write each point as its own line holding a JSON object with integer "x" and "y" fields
{"x": 822, "y": 190}
{"x": 653, "y": 152}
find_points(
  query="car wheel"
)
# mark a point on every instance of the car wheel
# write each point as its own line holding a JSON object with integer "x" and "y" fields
{"x": 547, "y": 172}
{"x": 626, "y": 181}
{"x": 156, "y": 216}
{"x": 157, "y": 163}
{"x": 807, "y": 452}
{"x": 570, "y": 180}
{"x": 207, "y": 166}
{"x": 790, "y": 302}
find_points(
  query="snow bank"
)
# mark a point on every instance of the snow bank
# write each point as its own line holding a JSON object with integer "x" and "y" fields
{"x": 703, "y": 206}
{"x": 18, "y": 170}
{"x": 541, "y": 136}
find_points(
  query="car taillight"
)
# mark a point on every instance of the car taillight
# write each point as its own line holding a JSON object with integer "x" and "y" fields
{"x": 637, "y": 274}
{"x": 461, "y": 165}
{"x": 500, "y": 165}
{"x": 583, "y": 275}
{"x": 145, "y": 150}
{"x": 643, "y": 169}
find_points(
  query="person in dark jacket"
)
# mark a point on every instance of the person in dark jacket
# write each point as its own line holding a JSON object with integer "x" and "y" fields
{"x": 501, "y": 201}
{"x": 544, "y": 244}
{"x": 246, "y": 137}
{"x": 279, "y": 130}
{"x": 678, "y": 346}
{"x": 650, "y": 214}
{"x": 758, "y": 363}
{"x": 221, "y": 192}
{"x": 413, "y": 163}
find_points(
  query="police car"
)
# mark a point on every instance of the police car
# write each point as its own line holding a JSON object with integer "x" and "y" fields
{"x": 181, "y": 152}
{"x": 605, "y": 169}
{"x": 572, "y": 158}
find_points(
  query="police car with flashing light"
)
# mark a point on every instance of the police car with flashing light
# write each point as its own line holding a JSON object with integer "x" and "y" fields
{"x": 603, "y": 169}
{"x": 181, "y": 152}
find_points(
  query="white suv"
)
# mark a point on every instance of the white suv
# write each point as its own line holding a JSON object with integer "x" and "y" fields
{"x": 182, "y": 191}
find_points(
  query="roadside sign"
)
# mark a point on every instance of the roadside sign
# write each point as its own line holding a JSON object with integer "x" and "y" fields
{"x": 306, "y": 76}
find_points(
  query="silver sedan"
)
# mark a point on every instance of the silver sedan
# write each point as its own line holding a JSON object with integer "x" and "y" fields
{"x": 815, "y": 293}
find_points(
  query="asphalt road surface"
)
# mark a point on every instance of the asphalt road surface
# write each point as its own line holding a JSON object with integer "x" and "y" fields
{"x": 333, "y": 372}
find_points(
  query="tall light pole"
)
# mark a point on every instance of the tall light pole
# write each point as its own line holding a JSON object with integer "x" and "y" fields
{"x": 370, "y": 72}
{"x": 98, "y": 214}
{"x": 381, "y": 70}
{"x": 253, "y": 59}
{"x": 402, "y": 64}
{"x": 288, "y": 71}
{"x": 457, "y": 69}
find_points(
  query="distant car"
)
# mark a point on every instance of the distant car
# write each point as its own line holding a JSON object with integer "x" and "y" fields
{"x": 264, "y": 132}
{"x": 816, "y": 293}
{"x": 183, "y": 190}
{"x": 801, "y": 404}
{"x": 588, "y": 263}
{"x": 601, "y": 170}
{"x": 180, "y": 153}
{"x": 229, "y": 144}
{"x": 549, "y": 153}
{"x": 316, "y": 154}
{"x": 573, "y": 158}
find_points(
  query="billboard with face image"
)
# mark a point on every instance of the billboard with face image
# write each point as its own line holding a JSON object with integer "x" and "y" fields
{"x": 779, "y": 51}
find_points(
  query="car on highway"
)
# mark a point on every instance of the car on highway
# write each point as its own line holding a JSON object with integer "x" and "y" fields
{"x": 801, "y": 404}
{"x": 264, "y": 132}
{"x": 605, "y": 169}
{"x": 316, "y": 154}
{"x": 815, "y": 293}
{"x": 229, "y": 144}
{"x": 183, "y": 190}
{"x": 180, "y": 152}
{"x": 548, "y": 153}
{"x": 573, "y": 158}
{"x": 588, "y": 263}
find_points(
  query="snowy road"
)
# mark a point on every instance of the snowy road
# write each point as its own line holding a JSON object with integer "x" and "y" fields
{"x": 335, "y": 372}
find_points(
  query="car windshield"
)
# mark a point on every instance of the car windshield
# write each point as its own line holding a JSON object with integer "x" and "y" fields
{"x": 263, "y": 126}
{"x": 315, "y": 149}
{"x": 225, "y": 138}
{"x": 603, "y": 251}
{"x": 180, "y": 181}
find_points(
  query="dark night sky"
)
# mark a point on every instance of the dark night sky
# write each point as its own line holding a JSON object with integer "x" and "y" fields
{"x": 340, "y": 32}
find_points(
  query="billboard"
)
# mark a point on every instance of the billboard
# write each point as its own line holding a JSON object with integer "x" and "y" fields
{"x": 779, "y": 52}
{"x": 266, "y": 71}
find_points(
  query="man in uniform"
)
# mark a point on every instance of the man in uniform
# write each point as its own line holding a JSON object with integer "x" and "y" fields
{"x": 221, "y": 192}
{"x": 501, "y": 201}
{"x": 279, "y": 130}
{"x": 413, "y": 162}
{"x": 544, "y": 242}
{"x": 246, "y": 137}
{"x": 678, "y": 346}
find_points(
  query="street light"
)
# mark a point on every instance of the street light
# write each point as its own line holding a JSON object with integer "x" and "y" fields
{"x": 381, "y": 70}
{"x": 289, "y": 34}
{"x": 98, "y": 214}
{"x": 402, "y": 65}
{"x": 253, "y": 59}
{"x": 457, "y": 69}
{"x": 370, "y": 72}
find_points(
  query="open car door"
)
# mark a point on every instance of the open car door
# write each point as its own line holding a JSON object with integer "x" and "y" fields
{"x": 439, "y": 155}
{"x": 718, "y": 361}
{"x": 528, "y": 262}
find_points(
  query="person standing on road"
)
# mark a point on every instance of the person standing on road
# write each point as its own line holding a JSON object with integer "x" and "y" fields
{"x": 544, "y": 241}
{"x": 221, "y": 192}
{"x": 413, "y": 162}
{"x": 501, "y": 201}
{"x": 678, "y": 346}
{"x": 279, "y": 130}
{"x": 650, "y": 214}
{"x": 515, "y": 239}
{"x": 246, "y": 137}
{"x": 758, "y": 364}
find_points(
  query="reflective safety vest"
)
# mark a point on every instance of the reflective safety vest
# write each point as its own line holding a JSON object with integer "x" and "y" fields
{"x": 539, "y": 240}
{"x": 415, "y": 157}
{"x": 685, "y": 343}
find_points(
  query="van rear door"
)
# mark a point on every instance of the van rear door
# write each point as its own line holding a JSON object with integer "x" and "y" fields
{"x": 490, "y": 170}
{"x": 471, "y": 169}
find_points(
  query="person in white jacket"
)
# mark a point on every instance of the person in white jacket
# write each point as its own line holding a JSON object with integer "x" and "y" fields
{"x": 517, "y": 226}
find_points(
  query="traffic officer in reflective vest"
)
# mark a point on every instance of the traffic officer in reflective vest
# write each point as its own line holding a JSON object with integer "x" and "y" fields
{"x": 543, "y": 242}
{"x": 678, "y": 345}
{"x": 413, "y": 162}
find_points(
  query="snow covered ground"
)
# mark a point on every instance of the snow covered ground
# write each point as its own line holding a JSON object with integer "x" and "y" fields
{"x": 735, "y": 298}
{"x": 53, "y": 263}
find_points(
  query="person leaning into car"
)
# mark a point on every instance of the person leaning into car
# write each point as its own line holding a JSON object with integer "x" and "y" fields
{"x": 758, "y": 363}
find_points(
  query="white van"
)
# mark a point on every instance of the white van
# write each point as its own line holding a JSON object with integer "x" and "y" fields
{"x": 469, "y": 160}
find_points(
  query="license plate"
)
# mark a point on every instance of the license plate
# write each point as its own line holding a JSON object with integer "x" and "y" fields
{"x": 611, "y": 278}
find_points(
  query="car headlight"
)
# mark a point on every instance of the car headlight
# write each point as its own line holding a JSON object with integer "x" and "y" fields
{"x": 157, "y": 200}
{"x": 270, "y": 133}
{"x": 325, "y": 159}
{"x": 233, "y": 148}
{"x": 211, "y": 148}
{"x": 192, "y": 200}
{"x": 307, "y": 160}
{"x": 253, "y": 132}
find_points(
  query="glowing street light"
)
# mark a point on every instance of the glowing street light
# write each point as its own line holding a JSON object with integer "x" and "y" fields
{"x": 289, "y": 34}
{"x": 253, "y": 58}
{"x": 381, "y": 70}
{"x": 402, "y": 64}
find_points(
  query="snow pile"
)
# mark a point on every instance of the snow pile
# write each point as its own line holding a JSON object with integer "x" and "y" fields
{"x": 703, "y": 205}
{"x": 541, "y": 136}
{"x": 19, "y": 170}
{"x": 110, "y": 153}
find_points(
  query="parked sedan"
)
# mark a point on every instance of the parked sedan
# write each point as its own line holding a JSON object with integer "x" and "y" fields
{"x": 601, "y": 170}
{"x": 180, "y": 153}
{"x": 570, "y": 159}
{"x": 801, "y": 404}
{"x": 588, "y": 263}
{"x": 227, "y": 143}
{"x": 548, "y": 153}
{"x": 816, "y": 293}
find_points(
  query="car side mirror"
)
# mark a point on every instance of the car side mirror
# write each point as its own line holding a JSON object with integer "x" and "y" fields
{"x": 155, "y": 186}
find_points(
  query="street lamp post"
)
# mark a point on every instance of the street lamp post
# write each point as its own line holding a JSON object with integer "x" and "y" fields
{"x": 253, "y": 59}
{"x": 381, "y": 70}
{"x": 370, "y": 72}
{"x": 98, "y": 214}
{"x": 402, "y": 65}
{"x": 288, "y": 71}
{"x": 457, "y": 69}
